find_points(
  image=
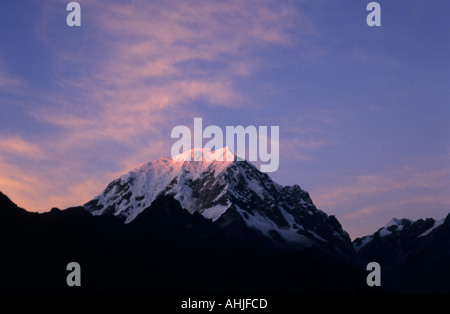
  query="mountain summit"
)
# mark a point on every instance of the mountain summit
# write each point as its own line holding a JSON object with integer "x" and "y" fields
{"x": 233, "y": 194}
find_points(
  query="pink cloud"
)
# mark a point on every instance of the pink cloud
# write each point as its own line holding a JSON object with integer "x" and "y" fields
{"x": 401, "y": 193}
{"x": 8, "y": 82}
{"x": 16, "y": 146}
{"x": 150, "y": 41}
{"x": 293, "y": 148}
{"x": 362, "y": 212}
{"x": 399, "y": 179}
{"x": 135, "y": 86}
{"x": 377, "y": 56}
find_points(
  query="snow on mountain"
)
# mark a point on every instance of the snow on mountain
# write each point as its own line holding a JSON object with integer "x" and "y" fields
{"x": 437, "y": 223}
{"x": 223, "y": 191}
{"x": 395, "y": 227}
{"x": 394, "y": 224}
{"x": 130, "y": 194}
{"x": 414, "y": 255}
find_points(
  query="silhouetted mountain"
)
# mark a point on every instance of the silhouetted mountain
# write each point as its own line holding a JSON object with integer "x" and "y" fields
{"x": 177, "y": 226}
{"x": 10, "y": 212}
{"x": 415, "y": 255}
{"x": 164, "y": 250}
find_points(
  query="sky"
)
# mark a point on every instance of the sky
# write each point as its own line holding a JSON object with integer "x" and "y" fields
{"x": 364, "y": 112}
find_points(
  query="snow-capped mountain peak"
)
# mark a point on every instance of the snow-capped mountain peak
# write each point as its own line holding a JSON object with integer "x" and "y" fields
{"x": 206, "y": 155}
{"x": 394, "y": 224}
{"x": 226, "y": 191}
{"x": 130, "y": 194}
{"x": 395, "y": 228}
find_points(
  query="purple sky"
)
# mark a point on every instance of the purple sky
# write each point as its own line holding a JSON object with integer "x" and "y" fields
{"x": 364, "y": 112}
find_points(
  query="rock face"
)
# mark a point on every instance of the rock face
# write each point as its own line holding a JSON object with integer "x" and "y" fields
{"x": 234, "y": 195}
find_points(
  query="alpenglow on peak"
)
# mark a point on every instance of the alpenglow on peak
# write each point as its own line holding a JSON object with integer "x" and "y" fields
{"x": 229, "y": 193}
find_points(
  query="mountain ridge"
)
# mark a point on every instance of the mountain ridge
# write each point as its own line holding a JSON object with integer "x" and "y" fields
{"x": 265, "y": 238}
{"x": 414, "y": 253}
{"x": 165, "y": 235}
{"x": 232, "y": 194}
{"x": 164, "y": 250}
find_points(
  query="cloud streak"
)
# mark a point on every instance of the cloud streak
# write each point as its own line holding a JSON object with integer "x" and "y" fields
{"x": 162, "y": 57}
{"x": 137, "y": 70}
{"x": 403, "y": 193}
{"x": 16, "y": 146}
{"x": 396, "y": 180}
{"x": 8, "y": 82}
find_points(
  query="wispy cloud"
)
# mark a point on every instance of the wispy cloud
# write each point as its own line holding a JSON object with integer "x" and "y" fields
{"x": 164, "y": 57}
{"x": 8, "y": 82}
{"x": 16, "y": 147}
{"x": 374, "y": 56}
{"x": 299, "y": 149}
{"x": 302, "y": 135}
{"x": 138, "y": 69}
{"x": 408, "y": 192}
{"x": 395, "y": 180}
